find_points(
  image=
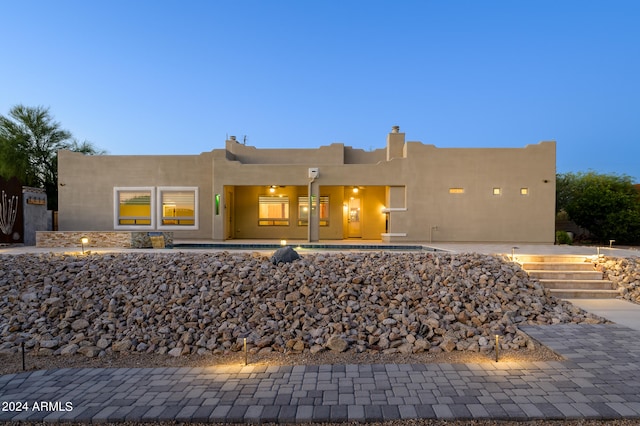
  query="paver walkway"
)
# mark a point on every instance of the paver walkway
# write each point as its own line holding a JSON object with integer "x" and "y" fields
{"x": 600, "y": 379}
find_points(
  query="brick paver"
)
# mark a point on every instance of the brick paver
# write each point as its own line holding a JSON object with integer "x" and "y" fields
{"x": 600, "y": 378}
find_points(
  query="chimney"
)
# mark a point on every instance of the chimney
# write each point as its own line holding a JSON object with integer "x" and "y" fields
{"x": 395, "y": 143}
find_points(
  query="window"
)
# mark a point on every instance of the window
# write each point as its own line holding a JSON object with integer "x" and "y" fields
{"x": 303, "y": 211}
{"x": 497, "y": 191}
{"x": 524, "y": 191}
{"x": 134, "y": 208}
{"x": 456, "y": 190}
{"x": 273, "y": 210}
{"x": 178, "y": 207}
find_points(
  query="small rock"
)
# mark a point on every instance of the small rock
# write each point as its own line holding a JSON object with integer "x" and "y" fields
{"x": 175, "y": 352}
{"x": 121, "y": 346}
{"x": 29, "y": 297}
{"x": 103, "y": 343}
{"x": 337, "y": 344}
{"x": 89, "y": 351}
{"x": 79, "y": 324}
{"x": 49, "y": 344}
{"x": 69, "y": 349}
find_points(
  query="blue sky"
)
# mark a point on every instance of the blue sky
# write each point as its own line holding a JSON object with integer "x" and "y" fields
{"x": 169, "y": 77}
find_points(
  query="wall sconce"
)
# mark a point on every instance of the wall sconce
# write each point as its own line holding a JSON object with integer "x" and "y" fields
{"x": 83, "y": 241}
{"x": 283, "y": 243}
{"x": 355, "y": 189}
{"x": 272, "y": 189}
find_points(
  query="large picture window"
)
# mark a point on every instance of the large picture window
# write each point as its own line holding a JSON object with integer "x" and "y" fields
{"x": 303, "y": 211}
{"x": 178, "y": 207}
{"x": 273, "y": 210}
{"x": 134, "y": 208}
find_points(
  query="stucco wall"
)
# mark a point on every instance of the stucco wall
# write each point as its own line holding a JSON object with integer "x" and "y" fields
{"x": 478, "y": 214}
{"x": 86, "y": 186}
{"x": 411, "y": 179}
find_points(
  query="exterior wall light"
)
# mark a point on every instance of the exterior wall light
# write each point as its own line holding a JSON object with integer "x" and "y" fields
{"x": 283, "y": 243}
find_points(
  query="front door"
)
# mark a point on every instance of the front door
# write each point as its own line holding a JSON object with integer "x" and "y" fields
{"x": 354, "y": 219}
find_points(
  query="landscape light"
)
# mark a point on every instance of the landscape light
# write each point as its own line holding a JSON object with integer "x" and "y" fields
{"x": 497, "y": 345}
{"x": 83, "y": 241}
{"x": 246, "y": 356}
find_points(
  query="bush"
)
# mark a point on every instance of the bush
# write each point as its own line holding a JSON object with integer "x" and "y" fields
{"x": 563, "y": 237}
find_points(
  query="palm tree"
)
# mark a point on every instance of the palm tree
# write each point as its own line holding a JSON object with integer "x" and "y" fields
{"x": 29, "y": 144}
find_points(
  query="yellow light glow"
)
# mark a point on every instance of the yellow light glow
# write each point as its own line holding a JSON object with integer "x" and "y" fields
{"x": 84, "y": 240}
{"x": 355, "y": 189}
{"x": 283, "y": 243}
{"x": 272, "y": 190}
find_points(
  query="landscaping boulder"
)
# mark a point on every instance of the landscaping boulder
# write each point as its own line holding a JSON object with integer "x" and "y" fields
{"x": 284, "y": 255}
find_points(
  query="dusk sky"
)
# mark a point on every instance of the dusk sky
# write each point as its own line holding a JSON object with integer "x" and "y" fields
{"x": 170, "y": 77}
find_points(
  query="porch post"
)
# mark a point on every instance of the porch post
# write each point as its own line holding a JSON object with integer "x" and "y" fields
{"x": 313, "y": 231}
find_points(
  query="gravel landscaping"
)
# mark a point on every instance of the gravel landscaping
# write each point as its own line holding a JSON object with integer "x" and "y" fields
{"x": 109, "y": 309}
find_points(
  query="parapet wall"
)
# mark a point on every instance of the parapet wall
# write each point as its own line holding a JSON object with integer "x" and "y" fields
{"x": 124, "y": 239}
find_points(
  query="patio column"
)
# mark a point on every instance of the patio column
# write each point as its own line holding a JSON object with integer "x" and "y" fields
{"x": 313, "y": 231}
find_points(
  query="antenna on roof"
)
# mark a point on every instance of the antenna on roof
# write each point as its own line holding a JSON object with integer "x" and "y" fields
{"x": 244, "y": 140}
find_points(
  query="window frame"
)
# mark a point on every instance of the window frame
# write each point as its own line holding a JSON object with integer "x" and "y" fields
{"x": 160, "y": 210}
{"x": 116, "y": 207}
{"x": 303, "y": 200}
{"x": 273, "y": 221}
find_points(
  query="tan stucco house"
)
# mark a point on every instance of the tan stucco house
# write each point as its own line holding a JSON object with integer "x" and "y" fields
{"x": 405, "y": 192}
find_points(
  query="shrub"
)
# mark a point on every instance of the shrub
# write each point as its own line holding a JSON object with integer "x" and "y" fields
{"x": 563, "y": 237}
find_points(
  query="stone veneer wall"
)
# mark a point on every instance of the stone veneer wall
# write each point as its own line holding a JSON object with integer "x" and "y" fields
{"x": 72, "y": 239}
{"x": 123, "y": 239}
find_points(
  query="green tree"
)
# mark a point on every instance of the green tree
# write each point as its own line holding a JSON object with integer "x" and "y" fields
{"x": 607, "y": 205}
{"x": 29, "y": 144}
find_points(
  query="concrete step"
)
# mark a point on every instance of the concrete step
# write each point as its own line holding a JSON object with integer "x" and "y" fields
{"x": 554, "y": 258}
{"x": 584, "y": 294}
{"x": 557, "y": 266}
{"x": 566, "y": 275}
{"x": 577, "y": 284}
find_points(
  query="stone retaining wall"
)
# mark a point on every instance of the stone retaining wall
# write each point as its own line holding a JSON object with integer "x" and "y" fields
{"x": 72, "y": 239}
{"x": 123, "y": 239}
